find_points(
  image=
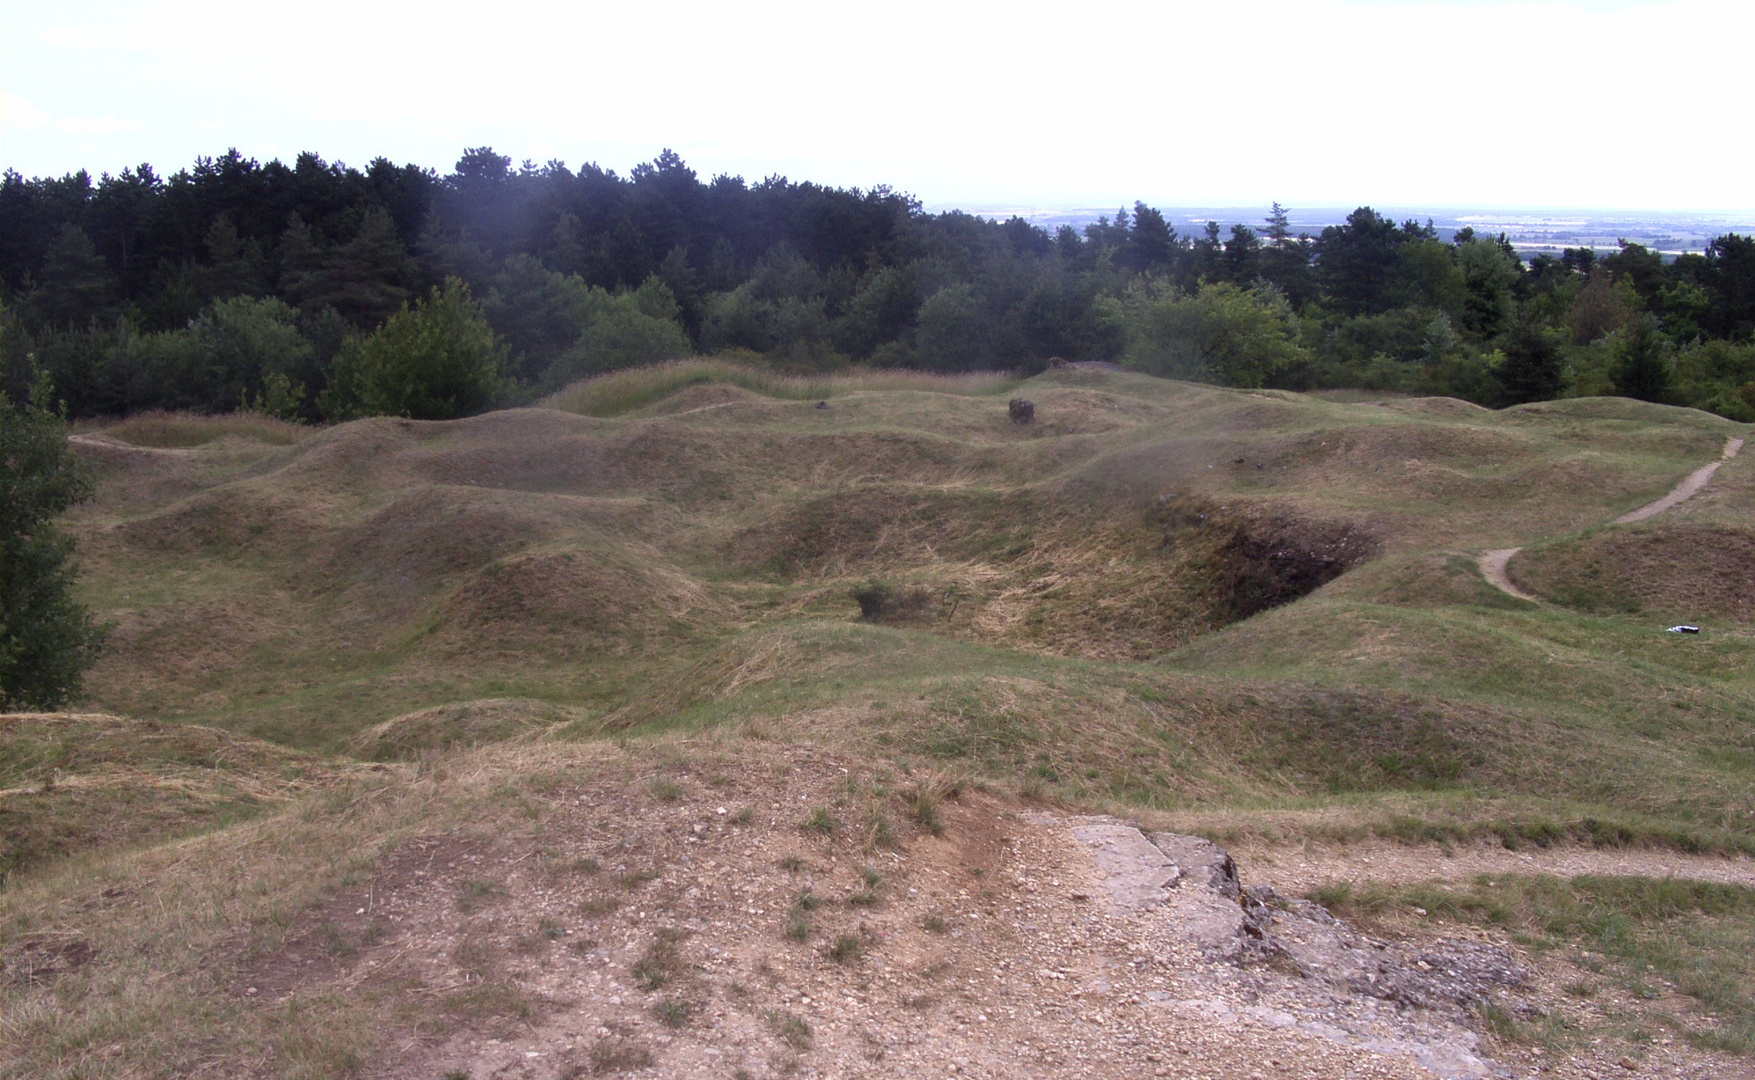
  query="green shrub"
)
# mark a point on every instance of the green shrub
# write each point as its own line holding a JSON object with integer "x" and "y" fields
{"x": 47, "y": 638}
{"x": 846, "y": 949}
{"x": 435, "y": 361}
{"x": 1220, "y": 333}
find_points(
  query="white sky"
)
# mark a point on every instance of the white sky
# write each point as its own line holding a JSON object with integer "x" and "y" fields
{"x": 1579, "y": 103}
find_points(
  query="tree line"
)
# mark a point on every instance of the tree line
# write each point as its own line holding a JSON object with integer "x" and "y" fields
{"x": 319, "y": 291}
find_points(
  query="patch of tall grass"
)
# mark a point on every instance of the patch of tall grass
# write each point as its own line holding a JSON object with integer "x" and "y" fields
{"x": 620, "y": 392}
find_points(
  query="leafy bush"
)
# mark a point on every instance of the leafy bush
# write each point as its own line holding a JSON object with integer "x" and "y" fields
{"x": 435, "y": 361}
{"x": 1220, "y": 333}
{"x": 621, "y": 331}
{"x": 47, "y": 639}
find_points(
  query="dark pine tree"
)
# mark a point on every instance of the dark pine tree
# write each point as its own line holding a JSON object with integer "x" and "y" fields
{"x": 1532, "y": 368}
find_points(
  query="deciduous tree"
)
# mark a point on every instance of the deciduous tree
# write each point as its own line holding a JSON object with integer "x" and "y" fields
{"x": 436, "y": 360}
{"x": 1222, "y": 333}
{"x": 47, "y": 638}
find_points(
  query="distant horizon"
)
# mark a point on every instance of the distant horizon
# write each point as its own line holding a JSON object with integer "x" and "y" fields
{"x": 983, "y": 206}
{"x": 1344, "y": 207}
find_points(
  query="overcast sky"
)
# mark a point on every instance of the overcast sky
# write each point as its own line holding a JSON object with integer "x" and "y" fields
{"x": 1575, "y": 103}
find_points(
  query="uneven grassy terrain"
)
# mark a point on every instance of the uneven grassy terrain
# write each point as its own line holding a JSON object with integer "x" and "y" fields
{"x": 1254, "y": 614}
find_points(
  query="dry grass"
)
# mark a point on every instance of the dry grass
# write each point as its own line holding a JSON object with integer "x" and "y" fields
{"x": 247, "y": 949}
{"x": 469, "y": 597}
{"x": 177, "y": 430}
{"x": 622, "y": 392}
{"x": 1676, "y": 571}
{"x": 76, "y": 783}
{"x": 345, "y": 581}
{"x": 1635, "y": 933}
{"x": 662, "y": 963}
{"x": 449, "y": 727}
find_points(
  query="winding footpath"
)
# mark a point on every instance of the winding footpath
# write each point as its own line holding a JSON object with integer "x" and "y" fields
{"x": 1493, "y": 563}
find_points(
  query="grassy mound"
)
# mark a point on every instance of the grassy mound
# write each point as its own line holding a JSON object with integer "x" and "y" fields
{"x": 180, "y": 430}
{"x": 677, "y": 597}
{"x": 1155, "y": 593}
{"x": 463, "y": 725}
{"x": 1695, "y": 937}
{"x": 1675, "y": 571}
{"x": 622, "y": 392}
{"x": 575, "y": 598}
{"x": 71, "y": 783}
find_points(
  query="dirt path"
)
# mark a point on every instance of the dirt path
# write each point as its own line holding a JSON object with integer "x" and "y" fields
{"x": 105, "y": 442}
{"x": 1687, "y": 489}
{"x": 1296, "y": 870}
{"x": 1493, "y": 563}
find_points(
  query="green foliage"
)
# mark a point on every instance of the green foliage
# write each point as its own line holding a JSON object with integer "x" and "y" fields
{"x": 1717, "y": 376}
{"x": 280, "y": 398}
{"x": 881, "y": 312}
{"x": 1603, "y": 305}
{"x": 435, "y": 361}
{"x": 846, "y": 948}
{"x": 1432, "y": 277}
{"x": 781, "y": 311}
{"x": 1641, "y": 369}
{"x": 953, "y": 335}
{"x": 47, "y": 639}
{"x": 559, "y": 329}
{"x": 1531, "y": 369}
{"x": 1222, "y": 333}
{"x": 629, "y": 330}
{"x": 1358, "y": 262}
{"x": 122, "y": 286}
{"x": 1490, "y": 276}
{"x": 76, "y": 284}
{"x": 227, "y": 356}
{"x": 366, "y": 279}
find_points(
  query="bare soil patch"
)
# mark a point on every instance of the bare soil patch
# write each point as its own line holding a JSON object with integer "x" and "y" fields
{"x": 710, "y": 915}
